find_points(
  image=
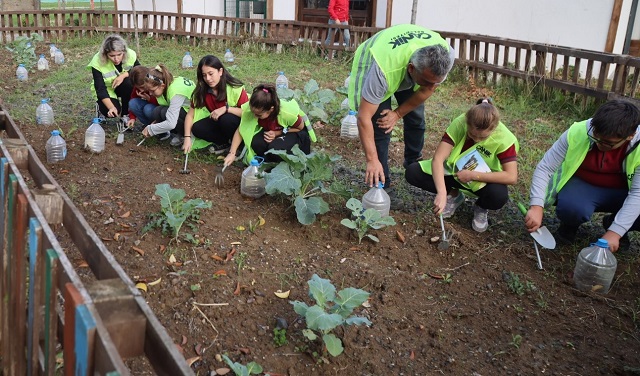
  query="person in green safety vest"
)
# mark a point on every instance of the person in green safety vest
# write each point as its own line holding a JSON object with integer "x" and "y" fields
{"x": 215, "y": 110}
{"x": 593, "y": 167}
{"x": 269, "y": 123}
{"x": 174, "y": 100}
{"x": 110, "y": 70}
{"x": 407, "y": 62}
{"x": 477, "y": 155}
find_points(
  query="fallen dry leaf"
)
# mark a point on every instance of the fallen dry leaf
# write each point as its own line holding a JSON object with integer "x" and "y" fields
{"x": 198, "y": 349}
{"x": 400, "y": 237}
{"x": 190, "y": 361}
{"x": 218, "y": 258}
{"x": 169, "y": 169}
{"x": 354, "y": 249}
{"x": 412, "y": 356}
{"x": 184, "y": 340}
{"x": 236, "y": 243}
{"x": 244, "y": 350}
{"x": 140, "y": 251}
{"x": 106, "y": 239}
{"x": 282, "y": 295}
{"x": 141, "y": 286}
{"x": 223, "y": 371}
{"x": 237, "y": 290}
{"x": 172, "y": 259}
{"x": 64, "y": 171}
{"x": 230, "y": 254}
{"x": 261, "y": 221}
{"x": 126, "y": 215}
{"x": 83, "y": 264}
{"x": 162, "y": 248}
{"x": 220, "y": 272}
{"x": 155, "y": 282}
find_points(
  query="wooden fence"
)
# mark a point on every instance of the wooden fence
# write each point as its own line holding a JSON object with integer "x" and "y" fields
{"x": 45, "y": 306}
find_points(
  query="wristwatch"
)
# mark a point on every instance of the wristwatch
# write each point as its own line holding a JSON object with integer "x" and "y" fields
{"x": 285, "y": 130}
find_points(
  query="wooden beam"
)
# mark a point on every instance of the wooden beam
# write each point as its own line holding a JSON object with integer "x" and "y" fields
{"x": 613, "y": 26}
{"x": 389, "y": 13}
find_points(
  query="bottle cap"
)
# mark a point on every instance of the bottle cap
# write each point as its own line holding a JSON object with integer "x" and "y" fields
{"x": 96, "y": 120}
{"x": 380, "y": 185}
{"x": 254, "y": 162}
{"x": 281, "y": 72}
{"x": 602, "y": 243}
{"x": 55, "y": 133}
{"x": 43, "y": 101}
{"x": 352, "y": 112}
{"x": 41, "y": 56}
{"x": 21, "y": 65}
{"x": 187, "y": 53}
{"x": 228, "y": 50}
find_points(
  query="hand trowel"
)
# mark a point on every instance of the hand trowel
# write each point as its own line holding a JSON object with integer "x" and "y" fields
{"x": 542, "y": 235}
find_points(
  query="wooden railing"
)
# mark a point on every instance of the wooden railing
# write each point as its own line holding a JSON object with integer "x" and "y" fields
{"x": 98, "y": 324}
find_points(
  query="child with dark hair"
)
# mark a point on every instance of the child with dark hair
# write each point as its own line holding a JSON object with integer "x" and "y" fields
{"x": 268, "y": 123}
{"x": 478, "y": 156}
{"x": 141, "y": 104}
{"x": 215, "y": 111}
{"x": 593, "y": 167}
{"x": 173, "y": 96}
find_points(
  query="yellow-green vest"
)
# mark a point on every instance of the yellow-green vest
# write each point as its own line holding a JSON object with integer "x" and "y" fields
{"x": 391, "y": 49}
{"x": 577, "y": 148}
{"x": 180, "y": 85}
{"x": 288, "y": 116}
{"x": 499, "y": 141}
{"x": 109, "y": 72}
{"x": 233, "y": 95}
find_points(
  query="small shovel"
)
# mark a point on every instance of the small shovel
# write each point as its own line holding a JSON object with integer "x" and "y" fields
{"x": 184, "y": 170}
{"x": 444, "y": 243}
{"x": 542, "y": 235}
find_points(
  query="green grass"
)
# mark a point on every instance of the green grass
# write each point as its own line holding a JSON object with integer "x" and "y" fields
{"x": 535, "y": 115}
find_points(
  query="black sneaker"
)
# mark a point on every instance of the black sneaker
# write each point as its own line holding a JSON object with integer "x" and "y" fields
{"x": 624, "y": 243}
{"x": 396, "y": 202}
{"x": 565, "y": 235}
{"x": 163, "y": 136}
{"x": 219, "y": 149}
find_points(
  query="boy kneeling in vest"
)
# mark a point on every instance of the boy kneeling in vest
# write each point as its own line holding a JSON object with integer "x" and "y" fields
{"x": 592, "y": 167}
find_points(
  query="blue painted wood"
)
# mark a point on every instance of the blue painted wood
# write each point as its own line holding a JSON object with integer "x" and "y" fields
{"x": 35, "y": 231}
{"x": 85, "y": 333}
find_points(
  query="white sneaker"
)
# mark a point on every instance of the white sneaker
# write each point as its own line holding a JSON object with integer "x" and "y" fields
{"x": 176, "y": 141}
{"x": 452, "y": 204}
{"x": 480, "y": 221}
{"x": 125, "y": 120}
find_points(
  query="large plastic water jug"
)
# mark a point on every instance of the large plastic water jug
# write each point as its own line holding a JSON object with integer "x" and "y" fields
{"x": 56, "y": 147}
{"x": 282, "y": 81}
{"x": 252, "y": 184}
{"x": 59, "y": 57}
{"x": 21, "y": 73}
{"x": 346, "y": 80}
{"x": 349, "y": 125}
{"x": 44, "y": 113}
{"x": 52, "y": 50}
{"x": 377, "y": 198}
{"x": 94, "y": 137}
{"x": 228, "y": 56}
{"x": 187, "y": 60}
{"x": 595, "y": 268}
{"x": 43, "y": 64}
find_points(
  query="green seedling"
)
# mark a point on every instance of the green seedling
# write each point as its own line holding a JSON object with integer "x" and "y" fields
{"x": 516, "y": 340}
{"x": 364, "y": 220}
{"x": 280, "y": 337}
{"x": 239, "y": 369}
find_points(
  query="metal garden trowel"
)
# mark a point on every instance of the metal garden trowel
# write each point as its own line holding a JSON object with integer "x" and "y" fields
{"x": 542, "y": 235}
{"x": 444, "y": 242}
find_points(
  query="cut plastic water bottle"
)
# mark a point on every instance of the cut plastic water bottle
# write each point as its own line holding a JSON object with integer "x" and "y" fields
{"x": 43, "y": 64}
{"x": 59, "y": 57}
{"x": 595, "y": 268}
{"x": 187, "y": 60}
{"x": 346, "y": 80}
{"x": 349, "y": 125}
{"x": 94, "y": 137}
{"x": 376, "y": 198}
{"x": 345, "y": 104}
{"x": 44, "y": 113}
{"x": 228, "y": 56}
{"x": 52, "y": 50}
{"x": 21, "y": 73}
{"x": 251, "y": 183}
{"x": 56, "y": 147}
{"x": 282, "y": 81}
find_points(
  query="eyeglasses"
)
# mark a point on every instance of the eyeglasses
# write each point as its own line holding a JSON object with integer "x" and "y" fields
{"x": 609, "y": 144}
{"x": 156, "y": 79}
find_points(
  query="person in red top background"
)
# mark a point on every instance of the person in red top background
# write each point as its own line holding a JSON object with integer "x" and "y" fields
{"x": 141, "y": 104}
{"x": 338, "y": 14}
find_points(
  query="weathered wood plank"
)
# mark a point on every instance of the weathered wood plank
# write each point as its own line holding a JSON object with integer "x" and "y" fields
{"x": 20, "y": 228}
{"x": 72, "y": 300}
{"x": 35, "y": 295}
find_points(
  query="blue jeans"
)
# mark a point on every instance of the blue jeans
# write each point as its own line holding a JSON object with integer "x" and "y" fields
{"x": 578, "y": 200}
{"x": 331, "y": 34}
{"x": 142, "y": 109}
{"x": 414, "y": 128}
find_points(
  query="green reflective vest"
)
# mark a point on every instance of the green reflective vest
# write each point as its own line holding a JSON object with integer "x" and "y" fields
{"x": 499, "y": 141}
{"x": 233, "y": 95}
{"x": 109, "y": 72}
{"x": 180, "y": 85}
{"x": 578, "y": 146}
{"x": 391, "y": 49}
{"x": 289, "y": 112}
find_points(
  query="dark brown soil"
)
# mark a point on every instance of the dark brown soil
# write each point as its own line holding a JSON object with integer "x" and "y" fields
{"x": 453, "y": 312}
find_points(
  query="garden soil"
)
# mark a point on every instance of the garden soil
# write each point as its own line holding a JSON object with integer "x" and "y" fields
{"x": 479, "y": 308}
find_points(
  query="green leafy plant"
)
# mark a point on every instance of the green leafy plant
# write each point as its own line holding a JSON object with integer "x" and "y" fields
{"x": 312, "y": 99}
{"x": 239, "y": 369}
{"x": 24, "y": 50}
{"x": 301, "y": 178}
{"x": 280, "y": 337}
{"x": 330, "y": 311}
{"x": 364, "y": 220}
{"x": 516, "y": 285}
{"x": 516, "y": 340}
{"x": 175, "y": 211}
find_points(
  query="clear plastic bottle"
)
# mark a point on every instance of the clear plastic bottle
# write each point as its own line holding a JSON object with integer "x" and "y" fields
{"x": 595, "y": 268}
{"x": 59, "y": 57}
{"x": 228, "y": 56}
{"x": 21, "y": 73}
{"x": 52, "y": 50}
{"x": 44, "y": 113}
{"x": 282, "y": 81}
{"x": 56, "y": 148}
{"x": 377, "y": 198}
{"x": 187, "y": 60}
{"x": 345, "y": 104}
{"x": 251, "y": 183}
{"x": 346, "y": 80}
{"x": 349, "y": 125}
{"x": 94, "y": 137}
{"x": 43, "y": 64}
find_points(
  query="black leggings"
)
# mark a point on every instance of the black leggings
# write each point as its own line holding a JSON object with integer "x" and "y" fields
{"x": 219, "y": 132}
{"x": 492, "y": 196}
{"x": 285, "y": 142}
{"x": 123, "y": 91}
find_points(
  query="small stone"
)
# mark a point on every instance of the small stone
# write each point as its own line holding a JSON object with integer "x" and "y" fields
{"x": 419, "y": 232}
{"x": 281, "y": 323}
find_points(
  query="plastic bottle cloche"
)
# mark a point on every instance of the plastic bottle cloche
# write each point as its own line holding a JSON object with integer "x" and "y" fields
{"x": 595, "y": 268}
{"x": 94, "y": 137}
{"x": 377, "y": 198}
{"x": 282, "y": 82}
{"x": 349, "y": 125}
{"x": 43, "y": 63}
{"x": 44, "y": 113}
{"x": 228, "y": 56}
{"x": 56, "y": 148}
{"x": 251, "y": 183}
{"x": 187, "y": 60}
{"x": 21, "y": 73}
